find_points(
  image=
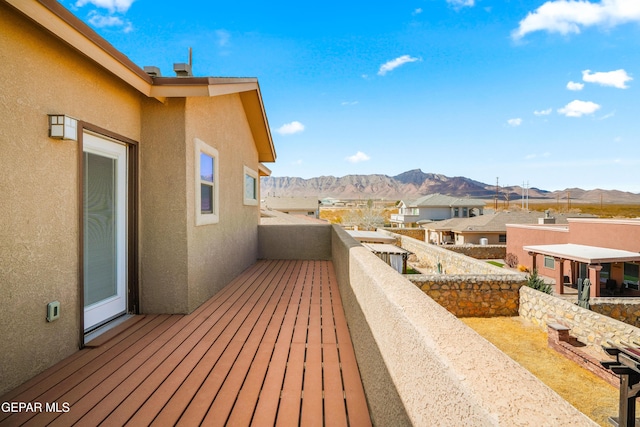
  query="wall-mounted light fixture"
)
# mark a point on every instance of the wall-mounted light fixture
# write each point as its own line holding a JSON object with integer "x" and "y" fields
{"x": 63, "y": 127}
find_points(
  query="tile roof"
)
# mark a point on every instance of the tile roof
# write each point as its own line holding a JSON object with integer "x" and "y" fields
{"x": 437, "y": 199}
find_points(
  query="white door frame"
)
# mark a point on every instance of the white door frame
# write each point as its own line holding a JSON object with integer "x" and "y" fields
{"x": 106, "y": 309}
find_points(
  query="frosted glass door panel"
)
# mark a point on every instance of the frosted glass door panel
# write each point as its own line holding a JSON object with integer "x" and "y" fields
{"x": 104, "y": 209}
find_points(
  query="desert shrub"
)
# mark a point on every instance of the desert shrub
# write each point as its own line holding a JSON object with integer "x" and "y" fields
{"x": 511, "y": 260}
{"x": 536, "y": 282}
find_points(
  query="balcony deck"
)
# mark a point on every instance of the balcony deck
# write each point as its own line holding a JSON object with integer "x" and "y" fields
{"x": 272, "y": 348}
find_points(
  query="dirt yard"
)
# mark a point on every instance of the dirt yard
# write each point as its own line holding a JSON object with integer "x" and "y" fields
{"x": 527, "y": 345}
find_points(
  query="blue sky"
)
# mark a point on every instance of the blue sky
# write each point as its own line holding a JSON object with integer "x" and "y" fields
{"x": 527, "y": 91}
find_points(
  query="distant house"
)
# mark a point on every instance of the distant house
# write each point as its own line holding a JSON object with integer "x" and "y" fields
{"x": 122, "y": 191}
{"x": 435, "y": 207}
{"x": 606, "y": 251}
{"x": 330, "y": 201}
{"x": 488, "y": 229}
{"x": 306, "y": 206}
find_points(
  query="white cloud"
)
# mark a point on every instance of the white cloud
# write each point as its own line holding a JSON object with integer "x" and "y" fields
{"x": 617, "y": 78}
{"x": 112, "y": 5}
{"x": 297, "y": 162}
{"x": 579, "y": 108}
{"x": 461, "y": 3}
{"x": 349, "y": 103}
{"x": 608, "y": 115}
{"x": 569, "y": 16}
{"x": 223, "y": 37}
{"x": 358, "y": 157}
{"x": 418, "y": 11}
{"x": 515, "y": 122}
{"x": 575, "y": 86}
{"x": 101, "y": 21}
{"x": 543, "y": 112}
{"x": 290, "y": 128}
{"x": 395, "y": 63}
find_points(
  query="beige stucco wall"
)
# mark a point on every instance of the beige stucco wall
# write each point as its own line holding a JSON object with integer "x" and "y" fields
{"x": 39, "y": 189}
{"x": 183, "y": 264}
{"x": 294, "y": 241}
{"x": 219, "y": 252}
{"x": 163, "y": 213}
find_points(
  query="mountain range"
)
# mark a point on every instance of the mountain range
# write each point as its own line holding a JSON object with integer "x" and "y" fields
{"x": 416, "y": 183}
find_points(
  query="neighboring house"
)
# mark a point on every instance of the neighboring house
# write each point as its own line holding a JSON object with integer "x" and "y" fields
{"x": 487, "y": 229}
{"x": 306, "y": 206}
{"x": 144, "y": 199}
{"x": 435, "y": 207}
{"x": 330, "y": 201}
{"x": 603, "y": 250}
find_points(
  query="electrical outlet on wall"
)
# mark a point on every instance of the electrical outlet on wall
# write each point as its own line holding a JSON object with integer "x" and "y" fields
{"x": 53, "y": 311}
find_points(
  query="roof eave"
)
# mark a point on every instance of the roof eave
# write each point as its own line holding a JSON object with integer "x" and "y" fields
{"x": 56, "y": 19}
{"x": 250, "y": 95}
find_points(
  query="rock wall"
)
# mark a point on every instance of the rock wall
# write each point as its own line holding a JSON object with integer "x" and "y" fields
{"x": 473, "y": 295}
{"x": 414, "y": 233}
{"x": 623, "y": 309}
{"x": 480, "y": 251}
{"x": 589, "y": 327}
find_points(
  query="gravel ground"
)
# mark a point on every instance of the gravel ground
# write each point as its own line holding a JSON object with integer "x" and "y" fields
{"x": 527, "y": 345}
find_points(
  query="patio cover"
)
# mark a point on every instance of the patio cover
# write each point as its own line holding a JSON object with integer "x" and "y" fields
{"x": 385, "y": 249}
{"x": 585, "y": 254}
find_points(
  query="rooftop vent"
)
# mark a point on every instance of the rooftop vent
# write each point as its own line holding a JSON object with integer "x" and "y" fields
{"x": 152, "y": 71}
{"x": 182, "y": 69}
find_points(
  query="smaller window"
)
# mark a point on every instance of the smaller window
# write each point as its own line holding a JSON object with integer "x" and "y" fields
{"x": 465, "y": 212}
{"x": 456, "y": 212}
{"x": 502, "y": 238}
{"x": 250, "y": 187}
{"x": 206, "y": 178}
{"x": 549, "y": 262}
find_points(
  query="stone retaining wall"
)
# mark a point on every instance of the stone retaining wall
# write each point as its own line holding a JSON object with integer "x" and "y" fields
{"x": 480, "y": 251}
{"x": 626, "y": 310}
{"x": 415, "y": 233}
{"x": 587, "y": 326}
{"x": 473, "y": 295}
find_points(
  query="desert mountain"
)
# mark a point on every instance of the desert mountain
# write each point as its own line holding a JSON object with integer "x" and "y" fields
{"x": 415, "y": 183}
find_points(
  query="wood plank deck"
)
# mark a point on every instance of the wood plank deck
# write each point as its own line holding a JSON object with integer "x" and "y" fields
{"x": 272, "y": 348}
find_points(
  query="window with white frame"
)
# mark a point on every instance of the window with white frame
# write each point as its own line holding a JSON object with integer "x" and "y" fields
{"x": 250, "y": 187}
{"x": 206, "y": 178}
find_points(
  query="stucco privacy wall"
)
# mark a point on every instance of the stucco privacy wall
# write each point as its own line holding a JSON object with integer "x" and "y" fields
{"x": 587, "y": 326}
{"x": 294, "y": 241}
{"x": 39, "y": 188}
{"x": 444, "y": 373}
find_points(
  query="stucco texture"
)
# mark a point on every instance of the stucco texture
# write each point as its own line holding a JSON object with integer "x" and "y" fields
{"x": 184, "y": 264}
{"x": 39, "y": 189}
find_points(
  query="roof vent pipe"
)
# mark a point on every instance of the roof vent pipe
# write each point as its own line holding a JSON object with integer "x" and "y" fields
{"x": 182, "y": 69}
{"x": 152, "y": 71}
